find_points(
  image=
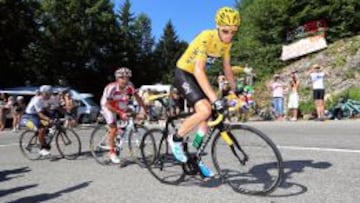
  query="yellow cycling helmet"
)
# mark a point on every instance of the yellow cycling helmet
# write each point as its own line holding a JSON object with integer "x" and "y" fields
{"x": 227, "y": 16}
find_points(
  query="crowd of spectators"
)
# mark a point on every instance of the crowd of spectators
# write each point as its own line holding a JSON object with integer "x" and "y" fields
{"x": 13, "y": 108}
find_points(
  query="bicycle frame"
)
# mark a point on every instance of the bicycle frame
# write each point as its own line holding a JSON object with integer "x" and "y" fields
{"x": 130, "y": 126}
{"x": 216, "y": 124}
{"x": 352, "y": 107}
{"x": 58, "y": 129}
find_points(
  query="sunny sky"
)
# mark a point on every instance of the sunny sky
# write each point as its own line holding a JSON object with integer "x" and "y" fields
{"x": 189, "y": 17}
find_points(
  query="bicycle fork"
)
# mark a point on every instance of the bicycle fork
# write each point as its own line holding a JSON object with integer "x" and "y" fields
{"x": 232, "y": 143}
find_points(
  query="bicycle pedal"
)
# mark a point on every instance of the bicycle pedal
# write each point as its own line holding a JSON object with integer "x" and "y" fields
{"x": 123, "y": 163}
{"x": 206, "y": 179}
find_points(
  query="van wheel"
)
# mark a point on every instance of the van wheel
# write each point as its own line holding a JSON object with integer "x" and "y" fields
{"x": 85, "y": 118}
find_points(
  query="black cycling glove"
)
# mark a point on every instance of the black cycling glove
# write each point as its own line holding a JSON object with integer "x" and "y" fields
{"x": 220, "y": 105}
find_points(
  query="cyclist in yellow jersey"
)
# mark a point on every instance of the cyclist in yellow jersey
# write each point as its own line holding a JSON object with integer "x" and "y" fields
{"x": 192, "y": 81}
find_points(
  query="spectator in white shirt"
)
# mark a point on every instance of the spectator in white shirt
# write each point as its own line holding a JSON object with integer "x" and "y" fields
{"x": 317, "y": 76}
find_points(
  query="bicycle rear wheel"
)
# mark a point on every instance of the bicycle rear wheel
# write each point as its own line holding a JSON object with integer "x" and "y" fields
{"x": 68, "y": 143}
{"x": 30, "y": 145}
{"x": 158, "y": 158}
{"x": 99, "y": 144}
{"x": 135, "y": 138}
{"x": 261, "y": 170}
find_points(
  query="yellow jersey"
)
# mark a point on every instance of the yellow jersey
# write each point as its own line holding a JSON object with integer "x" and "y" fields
{"x": 206, "y": 46}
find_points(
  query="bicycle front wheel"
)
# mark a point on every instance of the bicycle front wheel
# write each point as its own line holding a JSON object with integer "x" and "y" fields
{"x": 68, "y": 143}
{"x": 135, "y": 137}
{"x": 250, "y": 163}
{"x": 30, "y": 145}
{"x": 99, "y": 144}
{"x": 159, "y": 160}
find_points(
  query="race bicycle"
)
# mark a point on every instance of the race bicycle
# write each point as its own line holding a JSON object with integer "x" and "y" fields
{"x": 67, "y": 141}
{"x": 128, "y": 131}
{"x": 244, "y": 157}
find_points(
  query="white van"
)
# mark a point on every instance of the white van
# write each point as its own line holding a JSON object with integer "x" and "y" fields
{"x": 87, "y": 110}
{"x": 159, "y": 88}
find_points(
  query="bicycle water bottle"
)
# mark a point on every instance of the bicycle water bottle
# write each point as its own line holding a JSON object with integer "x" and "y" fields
{"x": 199, "y": 136}
{"x": 50, "y": 134}
{"x": 119, "y": 133}
{"x": 127, "y": 128}
{"x": 120, "y": 127}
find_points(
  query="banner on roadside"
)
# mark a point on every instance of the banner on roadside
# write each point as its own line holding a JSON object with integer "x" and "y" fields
{"x": 303, "y": 47}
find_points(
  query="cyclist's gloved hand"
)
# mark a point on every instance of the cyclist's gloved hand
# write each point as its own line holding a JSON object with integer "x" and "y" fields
{"x": 220, "y": 105}
{"x": 123, "y": 116}
{"x": 50, "y": 122}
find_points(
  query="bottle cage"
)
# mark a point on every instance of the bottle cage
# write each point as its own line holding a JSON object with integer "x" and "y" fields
{"x": 121, "y": 124}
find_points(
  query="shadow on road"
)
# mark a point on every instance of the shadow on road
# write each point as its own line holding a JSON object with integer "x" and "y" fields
{"x": 16, "y": 189}
{"x": 292, "y": 168}
{"x": 14, "y": 173}
{"x": 261, "y": 175}
{"x": 47, "y": 196}
{"x": 4, "y": 175}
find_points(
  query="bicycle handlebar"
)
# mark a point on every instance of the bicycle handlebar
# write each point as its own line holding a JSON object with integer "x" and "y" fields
{"x": 158, "y": 96}
{"x": 221, "y": 116}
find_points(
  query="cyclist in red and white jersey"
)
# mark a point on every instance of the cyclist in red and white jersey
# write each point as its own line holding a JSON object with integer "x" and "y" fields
{"x": 114, "y": 101}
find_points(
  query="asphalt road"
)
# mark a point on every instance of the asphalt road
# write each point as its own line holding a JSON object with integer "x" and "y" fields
{"x": 321, "y": 163}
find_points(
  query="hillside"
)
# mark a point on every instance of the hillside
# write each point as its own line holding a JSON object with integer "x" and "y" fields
{"x": 341, "y": 60}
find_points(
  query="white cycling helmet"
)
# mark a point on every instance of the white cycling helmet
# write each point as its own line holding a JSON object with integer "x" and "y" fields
{"x": 45, "y": 89}
{"x": 123, "y": 72}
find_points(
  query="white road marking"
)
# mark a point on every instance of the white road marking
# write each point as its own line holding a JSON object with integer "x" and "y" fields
{"x": 324, "y": 149}
{"x": 9, "y": 145}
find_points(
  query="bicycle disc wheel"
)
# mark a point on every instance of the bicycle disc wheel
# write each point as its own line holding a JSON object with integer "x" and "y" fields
{"x": 30, "y": 145}
{"x": 68, "y": 144}
{"x": 99, "y": 144}
{"x": 135, "y": 138}
{"x": 261, "y": 172}
{"x": 159, "y": 160}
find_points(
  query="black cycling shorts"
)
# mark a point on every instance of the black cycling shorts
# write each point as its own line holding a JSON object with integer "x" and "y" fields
{"x": 188, "y": 86}
{"x": 319, "y": 94}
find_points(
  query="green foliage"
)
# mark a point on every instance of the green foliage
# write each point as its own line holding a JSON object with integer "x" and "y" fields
{"x": 307, "y": 107}
{"x": 350, "y": 74}
{"x": 340, "y": 61}
{"x": 167, "y": 52}
{"x": 305, "y": 90}
{"x": 353, "y": 93}
{"x": 354, "y": 46}
{"x": 18, "y": 30}
{"x": 266, "y": 22}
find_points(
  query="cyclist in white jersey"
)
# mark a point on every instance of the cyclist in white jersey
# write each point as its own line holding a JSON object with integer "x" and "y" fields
{"x": 114, "y": 101}
{"x": 36, "y": 116}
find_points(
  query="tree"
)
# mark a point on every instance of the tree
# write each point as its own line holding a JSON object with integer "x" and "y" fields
{"x": 144, "y": 68}
{"x": 127, "y": 40}
{"x": 18, "y": 30}
{"x": 266, "y": 22}
{"x": 167, "y": 52}
{"x": 74, "y": 41}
